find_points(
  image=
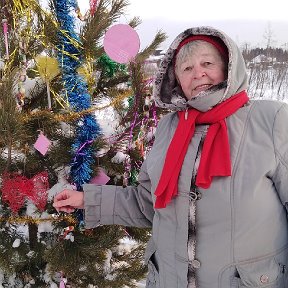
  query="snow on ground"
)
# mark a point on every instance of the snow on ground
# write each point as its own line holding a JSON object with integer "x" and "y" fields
{"x": 141, "y": 284}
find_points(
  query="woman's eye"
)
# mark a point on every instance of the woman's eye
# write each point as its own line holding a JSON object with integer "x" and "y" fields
{"x": 188, "y": 68}
{"x": 207, "y": 63}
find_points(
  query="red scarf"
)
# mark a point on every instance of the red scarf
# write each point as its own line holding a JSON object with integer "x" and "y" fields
{"x": 215, "y": 156}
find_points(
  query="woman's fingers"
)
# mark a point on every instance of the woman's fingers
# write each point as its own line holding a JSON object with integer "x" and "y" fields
{"x": 68, "y": 200}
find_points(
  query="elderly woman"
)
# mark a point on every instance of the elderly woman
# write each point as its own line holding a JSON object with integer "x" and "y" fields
{"x": 214, "y": 187}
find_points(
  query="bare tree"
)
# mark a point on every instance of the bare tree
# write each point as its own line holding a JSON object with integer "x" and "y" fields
{"x": 269, "y": 37}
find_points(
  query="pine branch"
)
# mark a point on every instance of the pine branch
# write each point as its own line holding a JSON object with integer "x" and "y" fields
{"x": 146, "y": 52}
{"x": 103, "y": 84}
{"x": 49, "y": 26}
{"x": 95, "y": 27}
{"x": 10, "y": 126}
{"x": 136, "y": 21}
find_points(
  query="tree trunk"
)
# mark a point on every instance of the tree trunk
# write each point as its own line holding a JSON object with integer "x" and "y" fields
{"x": 33, "y": 240}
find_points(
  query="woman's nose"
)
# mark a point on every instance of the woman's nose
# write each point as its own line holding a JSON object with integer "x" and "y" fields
{"x": 199, "y": 72}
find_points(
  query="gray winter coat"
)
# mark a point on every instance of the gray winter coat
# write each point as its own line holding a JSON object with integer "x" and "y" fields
{"x": 241, "y": 221}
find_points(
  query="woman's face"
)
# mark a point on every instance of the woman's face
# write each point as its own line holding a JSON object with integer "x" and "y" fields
{"x": 200, "y": 70}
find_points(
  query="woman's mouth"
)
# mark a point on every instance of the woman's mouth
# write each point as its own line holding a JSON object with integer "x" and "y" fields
{"x": 202, "y": 87}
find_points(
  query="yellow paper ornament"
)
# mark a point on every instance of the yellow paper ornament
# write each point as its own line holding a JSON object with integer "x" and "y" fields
{"x": 48, "y": 69}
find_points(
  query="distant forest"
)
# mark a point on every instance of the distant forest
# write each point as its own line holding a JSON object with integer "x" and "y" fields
{"x": 268, "y": 72}
{"x": 275, "y": 54}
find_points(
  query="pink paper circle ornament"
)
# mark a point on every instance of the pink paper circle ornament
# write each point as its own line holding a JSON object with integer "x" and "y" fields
{"x": 121, "y": 43}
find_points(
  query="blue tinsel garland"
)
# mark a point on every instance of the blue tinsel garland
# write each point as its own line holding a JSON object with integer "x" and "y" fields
{"x": 70, "y": 59}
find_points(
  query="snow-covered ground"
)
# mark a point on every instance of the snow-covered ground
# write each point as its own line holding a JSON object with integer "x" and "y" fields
{"x": 141, "y": 284}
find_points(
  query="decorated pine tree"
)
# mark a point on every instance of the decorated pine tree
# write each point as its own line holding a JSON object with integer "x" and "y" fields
{"x": 64, "y": 76}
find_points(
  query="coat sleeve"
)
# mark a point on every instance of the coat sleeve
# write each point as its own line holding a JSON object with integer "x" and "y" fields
{"x": 129, "y": 206}
{"x": 280, "y": 138}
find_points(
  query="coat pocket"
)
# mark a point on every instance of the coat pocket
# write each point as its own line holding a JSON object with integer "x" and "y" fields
{"x": 152, "y": 280}
{"x": 265, "y": 273}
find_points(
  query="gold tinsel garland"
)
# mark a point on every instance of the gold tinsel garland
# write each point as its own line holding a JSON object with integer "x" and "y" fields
{"x": 71, "y": 116}
{"x": 28, "y": 219}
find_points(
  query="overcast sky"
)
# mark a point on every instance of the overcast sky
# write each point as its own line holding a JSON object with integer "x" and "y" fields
{"x": 210, "y": 9}
{"x": 244, "y": 21}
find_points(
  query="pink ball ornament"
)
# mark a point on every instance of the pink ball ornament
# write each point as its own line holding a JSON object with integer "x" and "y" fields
{"x": 121, "y": 43}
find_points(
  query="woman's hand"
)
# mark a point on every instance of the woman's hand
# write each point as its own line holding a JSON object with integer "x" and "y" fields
{"x": 69, "y": 200}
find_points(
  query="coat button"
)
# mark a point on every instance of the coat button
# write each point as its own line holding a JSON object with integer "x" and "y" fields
{"x": 196, "y": 264}
{"x": 264, "y": 279}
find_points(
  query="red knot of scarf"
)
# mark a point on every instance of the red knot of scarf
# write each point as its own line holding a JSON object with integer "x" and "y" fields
{"x": 215, "y": 156}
